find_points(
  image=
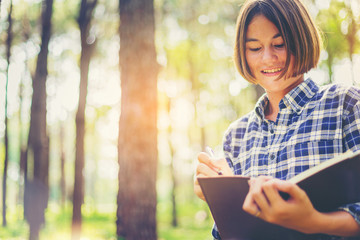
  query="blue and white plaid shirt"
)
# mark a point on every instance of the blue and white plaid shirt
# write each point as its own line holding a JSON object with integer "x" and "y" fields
{"x": 313, "y": 125}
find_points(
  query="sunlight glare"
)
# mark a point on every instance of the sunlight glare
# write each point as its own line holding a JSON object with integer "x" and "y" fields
{"x": 175, "y": 33}
{"x": 163, "y": 120}
{"x": 171, "y": 88}
{"x": 13, "y": 172}
{"x": 108, "y": 128}
{"x": 108, "y": 169}
{"x": 205, "y": 97}
{"x": 182, "y": 113}
{"x": 204, "y": 19}
{"x": 323, "y": 4}
{"x": 343, "y": 74}
{"x": 109, "y": 151}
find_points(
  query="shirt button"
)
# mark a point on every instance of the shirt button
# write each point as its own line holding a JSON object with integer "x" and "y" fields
{"x": 272, "y": 156}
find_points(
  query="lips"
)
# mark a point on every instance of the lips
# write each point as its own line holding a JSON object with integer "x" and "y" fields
{"x": 272, "y": 70}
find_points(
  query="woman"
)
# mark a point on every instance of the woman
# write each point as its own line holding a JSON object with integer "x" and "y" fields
{"x": 294, "y": 126}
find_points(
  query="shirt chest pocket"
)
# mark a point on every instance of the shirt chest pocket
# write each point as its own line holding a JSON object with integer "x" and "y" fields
{"x": 302, "y": 156}
{"x": 311, "y": 129}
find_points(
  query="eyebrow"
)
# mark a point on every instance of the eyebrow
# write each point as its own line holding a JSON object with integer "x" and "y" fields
{"x": 255, "y": 40}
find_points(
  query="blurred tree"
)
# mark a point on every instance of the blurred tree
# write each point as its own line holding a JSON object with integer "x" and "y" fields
{"x": 195, "y": 39}
{"x": 24, "y": 36}
{"x": 87, "y": 47}
{"x": 22, "y": 146}
{"x": 352, "y": 25}
{"x": 37, "y": 184}
{"x": 330, "y": 23}
{"x": 6, "y": 159}
{"x": 174, "y": 216}
{"x": 62, "y": 165}
{"x": 137, "y": 144}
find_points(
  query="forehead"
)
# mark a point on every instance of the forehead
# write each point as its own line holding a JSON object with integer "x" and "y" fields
{"x": 261, "y": 28}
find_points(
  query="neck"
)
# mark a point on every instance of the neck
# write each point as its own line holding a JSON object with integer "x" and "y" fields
{"x": 272, "y": 109}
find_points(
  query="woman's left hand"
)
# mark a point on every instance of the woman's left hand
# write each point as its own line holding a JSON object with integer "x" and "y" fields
{"x": 265, "y": 201}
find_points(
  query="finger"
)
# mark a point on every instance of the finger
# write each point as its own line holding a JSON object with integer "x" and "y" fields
{"x": 290, "y": 188}
{"x": 259, "y": 178}
{"x": 249, "y": 205}
{"x": 272, "y": 192}
{"x": 223, "y": 166}
{"x": 205, "y": 159}
{"x": 205, "y": 170}
{"x": 198, "y": 191}
{"x": 256, "y": 190}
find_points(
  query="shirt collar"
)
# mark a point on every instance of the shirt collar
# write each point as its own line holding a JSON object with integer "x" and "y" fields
{"x": 296, "y": 99}
{"x": 260, "y": 106}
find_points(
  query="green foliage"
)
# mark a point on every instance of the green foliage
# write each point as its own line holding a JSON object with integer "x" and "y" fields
{"x": 338, "y": 24}
{"x": 195, "y": 223}
{"x": 96, "y": 225}
{"x": 330, "y": 23}
{"x": 65, "y": 16}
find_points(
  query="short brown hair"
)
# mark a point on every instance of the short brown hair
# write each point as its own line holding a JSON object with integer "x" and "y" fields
{"x": 301, "y": 37}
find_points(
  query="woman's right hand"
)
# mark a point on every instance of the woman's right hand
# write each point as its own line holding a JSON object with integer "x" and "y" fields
{"x": 208, "y": 167}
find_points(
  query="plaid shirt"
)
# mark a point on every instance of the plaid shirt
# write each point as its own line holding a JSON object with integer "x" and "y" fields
{"x": 313, "y": 125}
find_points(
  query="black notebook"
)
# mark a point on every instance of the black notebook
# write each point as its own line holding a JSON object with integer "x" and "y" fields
{"x": 329, "y": 185}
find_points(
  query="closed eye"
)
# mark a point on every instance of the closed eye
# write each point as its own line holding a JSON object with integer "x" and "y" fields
{"x": 280, "y": 45}
{"x": 254, "y": 49}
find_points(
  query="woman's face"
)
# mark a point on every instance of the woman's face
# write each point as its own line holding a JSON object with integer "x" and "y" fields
{"x": 266, "y": 56}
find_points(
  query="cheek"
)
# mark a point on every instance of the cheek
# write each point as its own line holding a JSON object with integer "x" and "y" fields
{"x": 251, "y": 60}
{"x": 283, "y": 54}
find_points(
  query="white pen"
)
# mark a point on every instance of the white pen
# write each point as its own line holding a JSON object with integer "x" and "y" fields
{"x": 212, "y": 156}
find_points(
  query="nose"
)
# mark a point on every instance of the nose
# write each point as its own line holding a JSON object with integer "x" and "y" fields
{"x": 269, "y": 55}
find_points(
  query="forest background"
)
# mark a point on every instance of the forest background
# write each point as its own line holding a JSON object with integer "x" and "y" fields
{"x": 198, "y": 94}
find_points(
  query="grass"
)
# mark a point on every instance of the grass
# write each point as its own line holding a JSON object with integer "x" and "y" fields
{"x": 194, "y": 222}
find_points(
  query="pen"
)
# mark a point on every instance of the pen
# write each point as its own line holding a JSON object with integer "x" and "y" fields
{"x": 212, "y": 156}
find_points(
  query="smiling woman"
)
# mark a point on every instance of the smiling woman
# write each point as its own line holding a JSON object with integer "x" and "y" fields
{"x": 296, "y": 125}
{"x": 301, "y": 38}
{"x": 266, "y": 57}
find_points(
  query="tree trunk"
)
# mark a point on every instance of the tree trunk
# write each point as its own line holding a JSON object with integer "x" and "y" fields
{"x": 351, "y": 39}
{"x": 6, "y": 159}
{"x": 23, "y": 144}
{"x": 62, "y": 166}
{"x": 174, "y": 217}
{"x": 84, "y": 20}
{"x": 137, "y": 145}
{"x": 329, "y": 64}
{"x": 36, "y": 188}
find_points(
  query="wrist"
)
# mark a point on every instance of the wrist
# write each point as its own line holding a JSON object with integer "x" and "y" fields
{"x": 321, "y": 223}
{"x": 339, "y": 223}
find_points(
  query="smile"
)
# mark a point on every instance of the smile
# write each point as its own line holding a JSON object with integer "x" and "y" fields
{"x": 274, "y": 70}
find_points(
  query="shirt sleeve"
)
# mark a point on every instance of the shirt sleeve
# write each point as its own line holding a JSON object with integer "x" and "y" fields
{"x": 351, "y": 121}
{"x": 215, "y": 233}
{"x": 351, "y": 131}
{"x": 227, "y": 148}
{"x": 353, "y": 209}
